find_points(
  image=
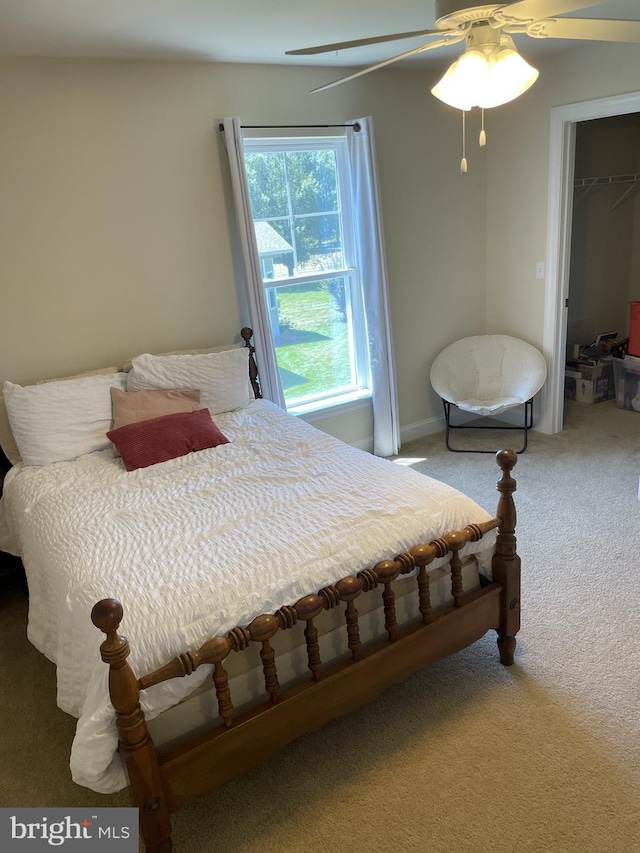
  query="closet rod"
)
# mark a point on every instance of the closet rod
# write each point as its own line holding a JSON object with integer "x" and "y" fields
{"x": 606, "y": 180}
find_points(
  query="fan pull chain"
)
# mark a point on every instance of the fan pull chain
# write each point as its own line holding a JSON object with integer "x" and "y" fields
{"x": 483, "y": 135}
{"x": 463, "y": 162}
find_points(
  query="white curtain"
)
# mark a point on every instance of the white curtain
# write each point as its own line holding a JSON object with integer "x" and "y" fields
{"x": 373, "y": 271}
{"x": 262, "y": 339}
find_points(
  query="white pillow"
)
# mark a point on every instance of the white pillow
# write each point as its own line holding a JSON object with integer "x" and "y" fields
{"x": 221, "y": 377}
{"x": 129, "y": 364}
{"x": 61, "y": 420}
{"x": 7, "y": 438}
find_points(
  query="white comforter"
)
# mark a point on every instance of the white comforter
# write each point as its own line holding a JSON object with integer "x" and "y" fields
{"x": 197, "y": 545}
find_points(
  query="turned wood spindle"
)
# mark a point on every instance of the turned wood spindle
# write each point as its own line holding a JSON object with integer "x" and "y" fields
{"x": 261, "y": 630}
{"x": 246, "y": 334}
{"x": 223, "y": 694}
{"x": 214, "y": 651}
{"x": 423, "y": 555}
{"x": 456, "y": 540}
{"x": 307, "y": 609}
{"x": 349, "y": 589}
{"x": 387, "y": 571}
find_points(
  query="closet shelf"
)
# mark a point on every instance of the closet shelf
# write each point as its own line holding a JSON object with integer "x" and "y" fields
{"x": 587, "y": 184}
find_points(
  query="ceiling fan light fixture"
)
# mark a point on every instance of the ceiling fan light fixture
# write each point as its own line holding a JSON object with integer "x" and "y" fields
{"x": 463, "y": 82}
{"x": 486, "y": 76}
{"x": 509, "y": 75}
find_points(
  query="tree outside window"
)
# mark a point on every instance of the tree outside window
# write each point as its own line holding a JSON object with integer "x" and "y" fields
{"x": 307, "y": 248}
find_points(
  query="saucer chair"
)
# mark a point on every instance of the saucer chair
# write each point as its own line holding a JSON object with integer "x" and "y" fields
{"x": 486, "y": 375}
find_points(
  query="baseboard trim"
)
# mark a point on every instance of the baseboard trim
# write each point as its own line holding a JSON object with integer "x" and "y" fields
{"x": 429, "y": 426}
{"x": 420, "y": 429}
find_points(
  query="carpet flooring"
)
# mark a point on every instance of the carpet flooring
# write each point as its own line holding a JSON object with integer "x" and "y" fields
{"x": 466, "y": 756}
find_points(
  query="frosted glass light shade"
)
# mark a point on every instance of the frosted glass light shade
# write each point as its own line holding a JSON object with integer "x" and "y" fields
{"x": 509, "y": 77}
{"x": 464, "y": 82}
{"x": 486, "y": 79}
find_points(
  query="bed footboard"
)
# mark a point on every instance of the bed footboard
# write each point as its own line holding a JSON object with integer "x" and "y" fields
{"x": 161, "y": 784}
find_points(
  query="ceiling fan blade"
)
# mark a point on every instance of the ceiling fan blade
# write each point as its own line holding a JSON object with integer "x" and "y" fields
{"x": 589, "y": 29}
{"x": 450, "y": 40}
{"x": 343, "y": 45}
{"x": 536, "y": 9}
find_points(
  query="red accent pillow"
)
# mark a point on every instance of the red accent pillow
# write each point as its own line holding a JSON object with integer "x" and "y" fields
{"x": 158, "y": 439}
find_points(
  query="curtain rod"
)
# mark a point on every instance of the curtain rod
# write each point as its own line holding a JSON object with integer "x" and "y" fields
{"x": 355, "y": 126}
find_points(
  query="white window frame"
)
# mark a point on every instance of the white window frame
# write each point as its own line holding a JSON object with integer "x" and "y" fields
{"x": 361, "y": 389}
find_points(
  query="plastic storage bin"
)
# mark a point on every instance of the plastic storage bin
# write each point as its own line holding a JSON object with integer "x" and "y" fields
{"x": 626, "y": 376}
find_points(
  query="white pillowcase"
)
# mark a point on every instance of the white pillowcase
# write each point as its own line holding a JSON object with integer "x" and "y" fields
{"x": 7, "y": 438}
{"x": 221, "y": 377}
{"x": 61, "y": 420}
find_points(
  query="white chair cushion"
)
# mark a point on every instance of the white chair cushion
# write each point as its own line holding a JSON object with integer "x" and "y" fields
{"x": 488, "y": 374}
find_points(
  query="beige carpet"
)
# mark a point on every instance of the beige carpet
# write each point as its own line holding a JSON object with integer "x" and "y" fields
{"x": 466, "y": 756}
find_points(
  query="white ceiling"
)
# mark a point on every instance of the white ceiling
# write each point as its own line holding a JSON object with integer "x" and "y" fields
{"x": 246, "y": 31}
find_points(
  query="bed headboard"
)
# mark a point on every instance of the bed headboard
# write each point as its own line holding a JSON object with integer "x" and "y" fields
{"x": 246, "y": 334}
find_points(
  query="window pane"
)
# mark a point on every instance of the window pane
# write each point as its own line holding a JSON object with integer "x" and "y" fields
{"x": 314, "y": 185}
{"x": 275, "y": 248}
{"x": 318, "y": 242}
{"x": 267, "y": 184}
{"x": 301, "y": 216}
{"x": 313, "y": 342}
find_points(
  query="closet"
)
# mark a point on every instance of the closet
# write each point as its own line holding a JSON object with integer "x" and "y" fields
{"x": 605, "y": 238}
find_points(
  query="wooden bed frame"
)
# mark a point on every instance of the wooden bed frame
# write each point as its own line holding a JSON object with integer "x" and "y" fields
{"x": 161, "y": 784}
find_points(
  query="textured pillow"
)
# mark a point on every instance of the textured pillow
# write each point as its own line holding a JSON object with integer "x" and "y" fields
{"x": 7, "y": 438}
{"x": 129, "y": 407}
{"x": 61, "y": 420}
{"x": 201, "y": 351}
{"x": 221, "y": 377}
{"x": 159, "y": 439}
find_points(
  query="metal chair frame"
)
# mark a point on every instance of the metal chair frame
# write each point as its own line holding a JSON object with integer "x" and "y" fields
{"x": 528, "y": 423}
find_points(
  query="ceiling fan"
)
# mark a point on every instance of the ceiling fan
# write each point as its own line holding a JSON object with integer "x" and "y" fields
{"x": 487, "y": 29}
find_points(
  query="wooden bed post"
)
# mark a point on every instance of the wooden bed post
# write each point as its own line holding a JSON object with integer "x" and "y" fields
{"x": 246, "y": 334}
{"x": 135, "y": 744}
{"x": 506, "y": 562}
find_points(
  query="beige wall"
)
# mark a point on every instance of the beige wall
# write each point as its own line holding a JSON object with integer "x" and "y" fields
{"x": 517, "y": 178}
{"x": 116, "y": 232}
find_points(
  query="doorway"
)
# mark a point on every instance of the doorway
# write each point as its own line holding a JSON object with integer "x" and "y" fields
{"x": 603, "y": 272}
{"x": 559, "y": 226}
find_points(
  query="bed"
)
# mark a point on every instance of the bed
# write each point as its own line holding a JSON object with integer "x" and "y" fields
{"x": 247, "y": 592}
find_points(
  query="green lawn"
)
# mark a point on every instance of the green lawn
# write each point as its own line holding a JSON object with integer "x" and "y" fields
{"x": 313, "y": 346}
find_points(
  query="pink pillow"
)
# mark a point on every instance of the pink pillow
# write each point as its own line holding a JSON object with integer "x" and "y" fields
{"x": 156, "y": 440}
{"x": 129, "y": 407}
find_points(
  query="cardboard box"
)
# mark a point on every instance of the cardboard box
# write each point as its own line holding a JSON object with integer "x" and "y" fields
{"x": 573, "y": 351}
{"x": 626, "y": 372}
{"x": 589, "y": 383}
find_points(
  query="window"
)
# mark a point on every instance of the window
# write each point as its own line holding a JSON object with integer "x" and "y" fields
{"x": 304, "y": 227}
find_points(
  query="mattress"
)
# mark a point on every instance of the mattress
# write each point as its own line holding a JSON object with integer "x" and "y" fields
{"x": 200, "y": 544}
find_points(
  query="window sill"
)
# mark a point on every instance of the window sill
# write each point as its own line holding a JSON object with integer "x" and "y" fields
{"x": 335, "y": 406}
